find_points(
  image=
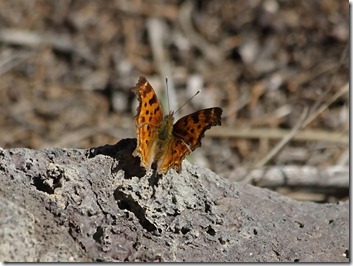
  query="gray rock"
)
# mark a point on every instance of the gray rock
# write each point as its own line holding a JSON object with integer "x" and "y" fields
{"x": 99, "y": 205}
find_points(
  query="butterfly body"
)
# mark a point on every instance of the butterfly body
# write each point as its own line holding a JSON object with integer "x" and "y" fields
{"x": 164, "y": 137}
{"x": 165, "y": 129}
{"x": 161, "y": 141}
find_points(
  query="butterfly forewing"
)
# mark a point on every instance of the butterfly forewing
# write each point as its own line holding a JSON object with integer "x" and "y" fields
{"x": 149, "y": 117}
{"x": 149, "y": 110}
{"x": 191, "y": 128}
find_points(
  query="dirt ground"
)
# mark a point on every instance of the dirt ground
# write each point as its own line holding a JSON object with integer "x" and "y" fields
{"x": 67, "y": 69}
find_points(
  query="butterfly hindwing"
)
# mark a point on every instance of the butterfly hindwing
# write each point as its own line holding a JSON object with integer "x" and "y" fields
{"x": 173, "y": 157}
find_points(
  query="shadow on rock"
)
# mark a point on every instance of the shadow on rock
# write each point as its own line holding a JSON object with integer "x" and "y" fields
{"x": 121, "y": 151}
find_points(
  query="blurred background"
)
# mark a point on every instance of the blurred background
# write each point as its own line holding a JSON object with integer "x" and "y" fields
{"x": 279, "y": 70}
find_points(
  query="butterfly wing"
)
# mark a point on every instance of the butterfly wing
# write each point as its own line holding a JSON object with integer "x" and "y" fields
{"x": 191, "y": 128}
{"x": 175, "y": 154}
{"x": 187, "y": 134}
{"x": 149, "y": 116}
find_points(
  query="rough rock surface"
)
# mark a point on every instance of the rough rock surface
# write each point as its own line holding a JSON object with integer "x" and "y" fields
{"x": 98, "y": 205}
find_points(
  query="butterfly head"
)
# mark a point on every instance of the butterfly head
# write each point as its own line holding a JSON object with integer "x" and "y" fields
{"x": 170, "y": 115}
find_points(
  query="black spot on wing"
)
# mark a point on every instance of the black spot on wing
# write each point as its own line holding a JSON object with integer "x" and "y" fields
{"x": 153, "y": 100}
{"x": 195, "y": 117}
{"x": 156, "y": 110}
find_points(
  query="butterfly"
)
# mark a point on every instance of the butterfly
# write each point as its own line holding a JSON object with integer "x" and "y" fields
{"x": 158, "y": 139}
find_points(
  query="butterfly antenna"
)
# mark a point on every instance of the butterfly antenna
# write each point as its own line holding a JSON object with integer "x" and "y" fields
{"x": 187, "y": 101}
{"x": 166, "y": 82}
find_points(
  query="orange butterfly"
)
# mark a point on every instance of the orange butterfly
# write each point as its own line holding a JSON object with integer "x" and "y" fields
{"x": 161, "y": 142}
